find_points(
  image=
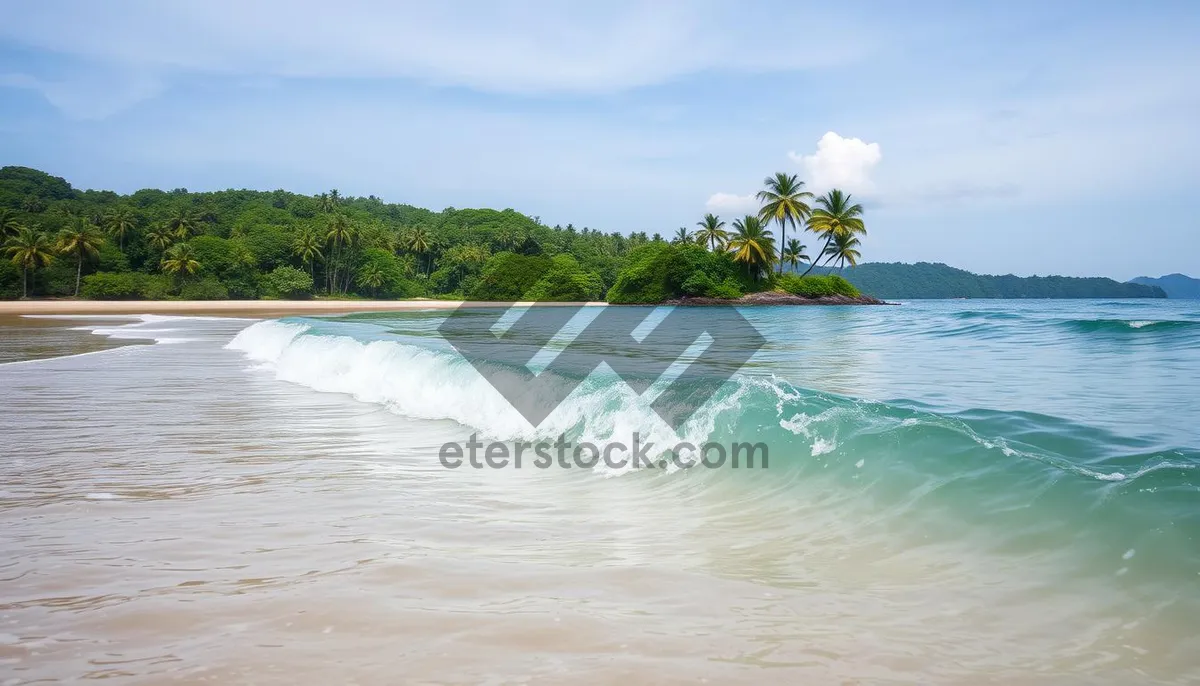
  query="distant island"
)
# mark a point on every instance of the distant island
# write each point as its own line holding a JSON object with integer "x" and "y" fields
{"x": 1175, "y": 285}
{"x": 900, "y": 281}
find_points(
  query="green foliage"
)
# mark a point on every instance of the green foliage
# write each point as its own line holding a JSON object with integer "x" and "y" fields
{"x": 109, "y": 286}
{"x": 111, "y": 259}
{"x": 391, "y": 270}
{"x": 31, "y": 189}
{"x": 509, "y": 276}
{"x": 230, "y": 261}
{"x": 270, "y": 245}
{"x": 753, "y": 246}
{"x": 238, "y": 237}
{"x": 816, "y": 286}
{"x": 660, "y": 271}
{"x": 155, "y": 287}
{"x": 10, "y": 280}
{"x": 288, "y": 282}
{"x": 729, "y": 289}
{"x": 207, "y": 288}
{"x": 565, "y": 280}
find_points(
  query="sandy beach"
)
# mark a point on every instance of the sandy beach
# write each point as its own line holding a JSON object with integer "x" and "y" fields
{"x": 264, "y": 308}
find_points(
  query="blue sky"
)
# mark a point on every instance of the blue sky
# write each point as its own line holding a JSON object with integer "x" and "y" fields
{"x": 1030, "y": 138}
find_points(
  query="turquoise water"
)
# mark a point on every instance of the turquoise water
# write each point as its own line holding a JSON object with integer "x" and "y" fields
{"x": 957, "y": 492}
{"x": 1027, "y": 425}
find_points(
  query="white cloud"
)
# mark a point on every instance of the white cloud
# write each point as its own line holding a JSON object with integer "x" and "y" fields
{"x": 844, "y": 163}
{"x": 731, "y": 203}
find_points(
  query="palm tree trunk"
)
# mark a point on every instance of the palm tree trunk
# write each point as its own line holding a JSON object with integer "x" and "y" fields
{"x": 24, "y": 282}
{"x": 782, "y": 242}
{"x": 815, "y": 260}
{"x": 78, "y": 273}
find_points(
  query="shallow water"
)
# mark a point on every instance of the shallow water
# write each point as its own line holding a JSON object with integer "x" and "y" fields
{"x": 958, "y": 493}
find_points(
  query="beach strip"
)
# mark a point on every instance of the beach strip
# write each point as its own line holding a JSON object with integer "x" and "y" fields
{"x": 260, "y": 308}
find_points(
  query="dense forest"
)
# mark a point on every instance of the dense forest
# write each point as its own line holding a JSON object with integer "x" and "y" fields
{"x": 925, "y": 280}
{"x": 241, "y": 244}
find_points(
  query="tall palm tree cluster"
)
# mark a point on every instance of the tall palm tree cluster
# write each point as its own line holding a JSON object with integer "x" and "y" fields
{"x": 31, "y": 249}
{"x": 832, "y": 217}
{"x": 332, "y": 247}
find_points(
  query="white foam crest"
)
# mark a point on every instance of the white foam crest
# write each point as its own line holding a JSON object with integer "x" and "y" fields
{"x": 802, "y": 424}
{"x": 265, "y": 341}
{"x": 421, "y": 383}
{"x": 821, "y": 446}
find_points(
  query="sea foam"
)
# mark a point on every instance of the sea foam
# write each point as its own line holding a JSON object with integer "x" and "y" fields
{"x": 424, "y": 383}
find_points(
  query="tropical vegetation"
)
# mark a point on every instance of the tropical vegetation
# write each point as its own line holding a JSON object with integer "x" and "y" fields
{"x": 63, "y": 242}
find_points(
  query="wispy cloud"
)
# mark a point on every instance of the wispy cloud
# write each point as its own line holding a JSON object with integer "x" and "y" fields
{"x": 506, "y": 47}
{"x": 731, "y": 203}
{"x": 88, "y": 93}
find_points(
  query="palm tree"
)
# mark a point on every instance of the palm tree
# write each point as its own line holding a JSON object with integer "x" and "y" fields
{"x": 9, "y": 226}
{"x": 341, "y": 232}
{"x": 180, "y": 261}
{"x": 508, "y": 238}
{"x": 33, "y": 204}
{"x": 682, "y": 236}
{"x": 29, "y": 249}
{"x": 793, "y": 254}
{"x": 417, "y": 241}
{"x": 80, "y": 239}
{"x": 307, "y": 247}
{"x": 783, "y": 202}
{"x": 118, "y": 222}
{"x": 843, "y": 250}
{"x": 370, "y": 276}
{"x": 160, "y": 238}
{"x": 183, "y": 223}
{"x": 752, "y": 245}
{"x": 833, "y": 216}
{"x": 324, "y": 203}
{"x": 712, "y": 231}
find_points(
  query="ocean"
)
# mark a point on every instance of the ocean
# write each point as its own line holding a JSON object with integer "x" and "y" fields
{"x": 957, "y": 492}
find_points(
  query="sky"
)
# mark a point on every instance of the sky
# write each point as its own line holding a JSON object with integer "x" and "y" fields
{"x": 1016, "y": 137}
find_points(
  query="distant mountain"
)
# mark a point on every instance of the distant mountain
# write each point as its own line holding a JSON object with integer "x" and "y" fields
{"x": 901, "y": 281}
{"x": 1175, "y": 285}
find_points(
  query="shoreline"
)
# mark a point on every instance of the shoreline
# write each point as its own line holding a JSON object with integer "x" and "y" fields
{"x": 279, "y": 308}
{"x": 242, "y": 307}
